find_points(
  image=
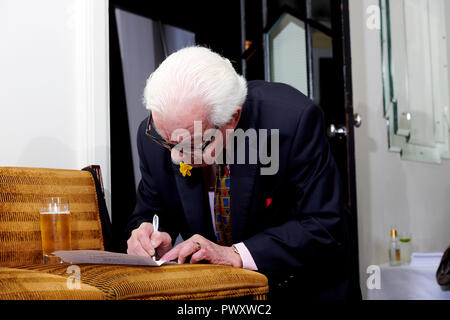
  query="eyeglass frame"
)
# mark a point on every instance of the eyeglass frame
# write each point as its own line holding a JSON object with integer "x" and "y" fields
{"x": 170, "y": 146}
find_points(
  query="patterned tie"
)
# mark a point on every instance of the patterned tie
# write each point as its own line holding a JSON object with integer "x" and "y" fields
{"x": 222, "y": 205}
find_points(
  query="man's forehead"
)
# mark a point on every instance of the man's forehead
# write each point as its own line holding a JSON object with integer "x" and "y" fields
{"x": 180, "y": 126}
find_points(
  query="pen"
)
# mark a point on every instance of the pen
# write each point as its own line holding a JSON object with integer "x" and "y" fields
{"x": 155, "y": 228}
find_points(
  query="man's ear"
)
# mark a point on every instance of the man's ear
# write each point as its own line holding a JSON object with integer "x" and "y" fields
{"x": 236, "y": 116}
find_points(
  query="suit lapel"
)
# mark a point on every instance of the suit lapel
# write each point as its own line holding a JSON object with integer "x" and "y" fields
{"x": 193, "y": 199}
{"x": 242, "y": 182}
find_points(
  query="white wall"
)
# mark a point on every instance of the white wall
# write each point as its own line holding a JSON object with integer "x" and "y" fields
{"x": 54, "y": 94}
{"x": 411, "y": 195}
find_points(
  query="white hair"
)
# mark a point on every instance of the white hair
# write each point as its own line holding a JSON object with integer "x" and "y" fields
{"x": 196, "y": 74}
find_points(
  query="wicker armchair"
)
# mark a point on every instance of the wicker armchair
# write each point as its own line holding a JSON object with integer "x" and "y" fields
{"x": 24, "y": 276}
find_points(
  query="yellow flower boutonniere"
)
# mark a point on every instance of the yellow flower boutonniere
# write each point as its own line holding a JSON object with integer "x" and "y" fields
{"x": 185, "y": 169}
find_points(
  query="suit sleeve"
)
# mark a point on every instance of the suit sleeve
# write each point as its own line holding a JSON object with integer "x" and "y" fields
{"x": 148, "y": 199}
{"x": 313, "y": 230}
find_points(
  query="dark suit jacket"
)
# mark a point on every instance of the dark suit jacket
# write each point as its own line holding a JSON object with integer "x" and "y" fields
{"x": 300, "y": 240}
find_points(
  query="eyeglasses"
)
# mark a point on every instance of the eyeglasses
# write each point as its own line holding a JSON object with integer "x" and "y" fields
{"x": 171, "y": 146}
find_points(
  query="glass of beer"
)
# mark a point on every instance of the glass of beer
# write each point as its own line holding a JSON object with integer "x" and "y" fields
{"x": 55, "y": 227}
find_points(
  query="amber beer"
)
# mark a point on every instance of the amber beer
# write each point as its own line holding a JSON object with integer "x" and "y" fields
{"x": 55, "y": 227}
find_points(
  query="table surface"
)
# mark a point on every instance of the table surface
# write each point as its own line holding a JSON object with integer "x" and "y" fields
{"x": 408, "y": 282}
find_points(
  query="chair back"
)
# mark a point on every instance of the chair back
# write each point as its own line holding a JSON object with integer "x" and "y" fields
{"x": 21, "y": 190}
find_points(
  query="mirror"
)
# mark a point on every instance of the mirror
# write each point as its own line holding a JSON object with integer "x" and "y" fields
{"x": 287, "y": 53}
{"x": 415, "y": 78}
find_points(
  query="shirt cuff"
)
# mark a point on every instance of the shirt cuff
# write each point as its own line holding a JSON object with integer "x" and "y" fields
{"x": 247, "y": 259}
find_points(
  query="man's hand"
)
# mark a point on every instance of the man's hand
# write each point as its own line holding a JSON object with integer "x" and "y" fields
{"x": 201, "y": 249}
{"x": 144, "y": 241}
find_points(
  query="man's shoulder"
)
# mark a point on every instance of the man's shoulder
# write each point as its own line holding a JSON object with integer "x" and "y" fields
{"x": 143, "y": 125}
{"x": 276, "y": 91}
{"x": 274, "y": 104}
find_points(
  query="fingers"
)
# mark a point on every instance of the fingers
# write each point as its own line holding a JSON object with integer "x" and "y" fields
{"x": 200, "y": 249}
{"x": 134, "y": 247}
{"x": 162, "y": 241}
{"x": 144, "y": 241}
{"x": 172, "y": 254}
{"x": 185, "y": 249}
{"x": 200, "y": 255}
{"x": 189, "y": 249}
{"x": 139, "y": 242}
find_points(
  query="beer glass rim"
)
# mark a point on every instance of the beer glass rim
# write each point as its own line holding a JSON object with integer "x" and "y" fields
{"x": 54, "y": 200}
{"x": 54, "y": 197}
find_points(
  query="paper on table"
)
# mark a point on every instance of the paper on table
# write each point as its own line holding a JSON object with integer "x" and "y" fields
{"x": 106, "y": 257}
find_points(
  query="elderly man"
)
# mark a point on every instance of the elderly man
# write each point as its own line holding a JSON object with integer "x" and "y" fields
{"x": 287, "y": 222}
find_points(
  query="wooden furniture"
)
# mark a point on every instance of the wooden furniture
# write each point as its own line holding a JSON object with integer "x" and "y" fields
{"x": 24, "y": 276}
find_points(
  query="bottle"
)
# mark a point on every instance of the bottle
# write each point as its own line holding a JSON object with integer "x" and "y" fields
{"x": 394, "y": 249}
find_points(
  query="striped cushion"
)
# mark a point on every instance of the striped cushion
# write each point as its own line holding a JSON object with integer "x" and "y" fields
{"x": 169, "y": 282}
{"x": 21, "y": 190}
{"x": 18, "y": 284}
